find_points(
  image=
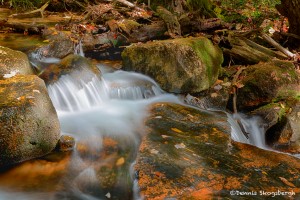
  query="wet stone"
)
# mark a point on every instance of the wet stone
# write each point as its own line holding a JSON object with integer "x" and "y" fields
{"x": 188, "y": 154}
{"x": 65, "y": 143}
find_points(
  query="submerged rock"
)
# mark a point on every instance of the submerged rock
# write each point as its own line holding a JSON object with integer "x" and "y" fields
{"x": 65, "y": 143}
{"x": 13, "y": 62}
{"x": 28, "y": 120}
{"x": 185, "y": 65}
{"x": 188, "y": 154}
{"x": 76, "y": 66}
{"x": 264, "y": 83}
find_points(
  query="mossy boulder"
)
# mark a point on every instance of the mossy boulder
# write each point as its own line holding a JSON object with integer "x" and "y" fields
{"x": 28, "y": 120}
{"x": 13, "y": 62}
{"x": 185, "y": 65}
{"x": 74, "y": 65}
{"x": 188, "y": 154}
{"x": 264, "y": 83}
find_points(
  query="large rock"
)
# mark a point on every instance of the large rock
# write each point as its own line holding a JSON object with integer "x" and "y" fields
{"x": 285, "y": 134}
{"x": 186, "y": 65}
{"x": 13, "y": 62}
{"x": 28, "y": 120}
{"x": 188, "y": 154}
{"x": 267, "y": 82}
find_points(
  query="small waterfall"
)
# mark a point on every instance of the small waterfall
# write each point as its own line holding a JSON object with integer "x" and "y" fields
{"x": 125, "y": 85}
{"x": 78, "y": 49}
{"x": 70, "y": 94}
{"x": 252, "y": 125}
{"x": 114, "y": 106}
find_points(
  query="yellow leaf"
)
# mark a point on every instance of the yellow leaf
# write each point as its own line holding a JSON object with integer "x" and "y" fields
{"x": 265, "y": 173}
{"x": 176, "y": 130}
{"x": 46, "y": 41}
{"x": 120, "y": 161}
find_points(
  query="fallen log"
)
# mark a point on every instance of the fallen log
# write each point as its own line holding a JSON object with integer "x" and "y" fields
{"x": 23, "y": 27}
{"x": 249, "y": 52}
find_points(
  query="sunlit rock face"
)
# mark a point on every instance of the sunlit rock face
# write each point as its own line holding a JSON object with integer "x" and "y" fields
{"x": 188, "y": 154}
{"x": 13, "y": 62}
{"x": 28, "y": 120}
{"x": 185, "y": 65}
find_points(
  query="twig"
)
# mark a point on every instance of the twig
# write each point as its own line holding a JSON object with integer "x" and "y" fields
{"x": 234, "y": 81}
{"x": 277, "y": 46}
{"x": 27, "y": 14}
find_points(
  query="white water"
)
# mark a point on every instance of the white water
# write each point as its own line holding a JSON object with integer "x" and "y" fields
{"x": 251, "y": 125}
{"x": 115, "y": 106}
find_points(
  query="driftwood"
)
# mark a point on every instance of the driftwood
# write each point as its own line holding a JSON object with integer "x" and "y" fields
{"x": 35, "y": 13}
{"x": 129, "y": 4}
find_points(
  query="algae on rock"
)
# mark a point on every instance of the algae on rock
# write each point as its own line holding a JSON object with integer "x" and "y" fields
{"x": 184, "y": 65}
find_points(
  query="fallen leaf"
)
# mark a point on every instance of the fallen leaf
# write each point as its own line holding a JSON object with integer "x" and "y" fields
{"x": 176, "y": 130}
{"x": 120, "y": 161}
{"x": 165, "y": 136}
{"x": 154, "y": 151}
{"x": 286, "y": 182}
{"x": 37, "y": 91}
{"x": 239, "y": 85}
{"x": 214, "y": 95}
{"x": 180, "y": 146}
{"x": 11, "y": 74}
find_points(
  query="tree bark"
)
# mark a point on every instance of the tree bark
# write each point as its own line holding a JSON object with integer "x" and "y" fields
{"x": 290, "y": 9}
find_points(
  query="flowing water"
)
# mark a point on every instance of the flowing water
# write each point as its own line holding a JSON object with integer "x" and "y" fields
{"x": 111, "y": 106}
{"x": 105, "y": 115}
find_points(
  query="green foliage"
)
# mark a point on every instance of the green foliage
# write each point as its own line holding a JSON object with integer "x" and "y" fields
{"x": 23, "y": 4}
{"x": 246, "y": 11}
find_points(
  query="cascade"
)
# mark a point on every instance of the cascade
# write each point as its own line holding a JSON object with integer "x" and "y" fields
{"x": 113, "y": 105}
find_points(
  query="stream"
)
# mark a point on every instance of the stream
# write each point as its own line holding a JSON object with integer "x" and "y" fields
{"x": 105, "y": 115}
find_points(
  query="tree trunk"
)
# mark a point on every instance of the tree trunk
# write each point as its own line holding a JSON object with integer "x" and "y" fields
{"x": 290, "y": 9}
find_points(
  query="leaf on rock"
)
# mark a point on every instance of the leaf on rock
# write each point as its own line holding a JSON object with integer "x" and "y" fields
{"x": 239, "y": 85}
{"x": 286, "y": 182}
{"x": 120, "y": 161}
{"x": 176, "y": 130}
{"x": 154, "y": 151}
{"x": 214, "y": 95}
{"x": 180, "y": 146}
